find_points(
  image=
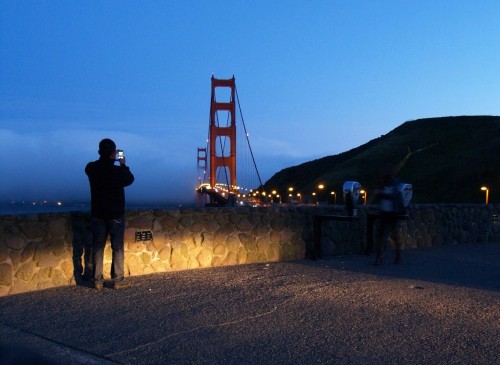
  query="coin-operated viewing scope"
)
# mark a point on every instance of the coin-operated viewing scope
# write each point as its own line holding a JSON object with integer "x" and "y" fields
{"x": 406, "y": 191}
{"x": 351, "y": 195}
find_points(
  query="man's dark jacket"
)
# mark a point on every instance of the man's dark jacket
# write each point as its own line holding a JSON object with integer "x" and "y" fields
{"x": 107, "y": 182}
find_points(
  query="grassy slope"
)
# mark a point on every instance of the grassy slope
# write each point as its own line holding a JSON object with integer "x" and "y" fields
{"x": 465, "y": 155}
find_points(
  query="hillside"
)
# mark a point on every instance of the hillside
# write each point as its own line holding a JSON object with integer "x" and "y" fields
{"x": 450, "y": 159}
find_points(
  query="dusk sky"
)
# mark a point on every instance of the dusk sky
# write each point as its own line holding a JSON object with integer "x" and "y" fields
{"x": 314, "y": 78}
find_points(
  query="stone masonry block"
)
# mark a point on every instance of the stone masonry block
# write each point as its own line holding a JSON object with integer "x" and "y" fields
{"x": 33, "y": 230}
{"x": 28, "y": 252}
{"x": 278, "y": 224}
{"x": 233, "y": 244}
{"x": 165, "y": 253}
{"x": 275, "y": 237}
{"x": 141, "y": 223}
{"x": 4, "y": 255}
{"x": 129, "y": 235}
{"x": 159, "y": 240}
{"x": 205, "y": 257}
{"x": 220, "y": 249}
{"x": 260, "y": 230}
{"x": 211, "y": 226}
{"x": 245, "y": 238}
{"x": 242, "y": 256}
{"x": 6, "y": 273}
{"x": 49, "y": 260}
{"x": 186, "y": 221}
{"x": 26, "y": 271}
{"x": 178, "y": 262}
{"x": 234, "y": 219}
{"x": 244, "y": 225}
{"x": 169, "y": 223}
{"x": 15, "y": 242}
{"x": 57, "y": 227}
{"x": 231, "y": 259}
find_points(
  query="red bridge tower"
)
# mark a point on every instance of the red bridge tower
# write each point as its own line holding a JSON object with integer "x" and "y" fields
{"x": 216, "y": 132}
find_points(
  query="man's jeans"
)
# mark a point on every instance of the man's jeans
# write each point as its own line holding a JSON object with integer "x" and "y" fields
{"x": 100, "y": 230}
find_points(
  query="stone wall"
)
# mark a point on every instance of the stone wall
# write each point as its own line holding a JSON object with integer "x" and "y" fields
{"x": 428, "y": 225}
{"x": 43, "y": 251}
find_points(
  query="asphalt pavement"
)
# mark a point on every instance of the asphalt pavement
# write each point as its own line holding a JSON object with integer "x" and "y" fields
{"x": 440, "y": 306}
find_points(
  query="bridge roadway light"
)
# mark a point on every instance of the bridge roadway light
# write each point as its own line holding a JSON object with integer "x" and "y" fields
{"x": 485, "y": 189}
{"x": 321, "y": 187}
{"x": 334, "y": 197}
{"x": 272, "y": 195}
{"x": 364, "y": 196}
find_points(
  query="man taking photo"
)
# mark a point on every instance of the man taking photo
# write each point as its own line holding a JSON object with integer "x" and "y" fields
{"x": 107, "y": 194}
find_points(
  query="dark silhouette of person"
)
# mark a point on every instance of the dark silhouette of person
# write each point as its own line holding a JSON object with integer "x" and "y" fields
{"x": 349, "y": 203}
{"x": 82, "y": 248}
{"x": 387, "y": 194}
{"x": 107, "y": 207}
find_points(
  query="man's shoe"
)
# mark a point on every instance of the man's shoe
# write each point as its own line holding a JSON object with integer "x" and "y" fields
{"x": 119, "y": 284}
{"x": 98, "y": 285}
{"x": 86, "y": 278}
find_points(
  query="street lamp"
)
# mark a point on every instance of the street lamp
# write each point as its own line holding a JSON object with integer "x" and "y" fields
{"x": 334, "y": 197}
{"x": 364, "y": 196}
{"x": 321, "y": 187}
{"x": 290, "y": 194}
{"x": 485, "y": 188}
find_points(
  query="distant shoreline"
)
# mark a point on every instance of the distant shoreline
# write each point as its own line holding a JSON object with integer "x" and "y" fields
{"x": 14, "y": 208}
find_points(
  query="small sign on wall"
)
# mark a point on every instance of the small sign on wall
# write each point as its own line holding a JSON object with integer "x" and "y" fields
{"x": 143, "y": 236}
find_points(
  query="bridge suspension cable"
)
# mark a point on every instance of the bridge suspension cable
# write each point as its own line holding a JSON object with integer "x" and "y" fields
{"x": 248, "y": 139}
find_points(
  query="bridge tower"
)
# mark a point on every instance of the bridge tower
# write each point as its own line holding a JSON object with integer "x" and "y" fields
{"x": 223, "y": 160}
{"x": 202, "y": 158}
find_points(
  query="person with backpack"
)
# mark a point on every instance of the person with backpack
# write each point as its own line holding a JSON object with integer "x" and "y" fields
{"x": 390, "y": 208}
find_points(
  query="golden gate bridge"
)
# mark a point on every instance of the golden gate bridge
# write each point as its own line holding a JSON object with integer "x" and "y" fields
{"x": 217, "y": 162}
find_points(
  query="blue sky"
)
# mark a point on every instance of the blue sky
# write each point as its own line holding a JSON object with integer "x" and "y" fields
{"x": 314, "y": 78}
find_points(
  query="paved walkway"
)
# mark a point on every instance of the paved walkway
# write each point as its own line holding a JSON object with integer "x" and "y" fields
{"x": 440, "y": 306}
